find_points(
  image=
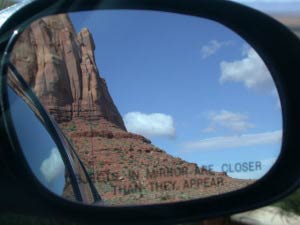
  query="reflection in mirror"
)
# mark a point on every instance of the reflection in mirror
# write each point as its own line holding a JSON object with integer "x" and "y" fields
{"x": 55, "y": 176}
{"x": 160, "y": 107}
{"x": 82, "y": 178}
{"x": 38, "y": 147}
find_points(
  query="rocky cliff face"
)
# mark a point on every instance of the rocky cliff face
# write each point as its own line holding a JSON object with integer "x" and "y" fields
{"x": 59, "y": 65}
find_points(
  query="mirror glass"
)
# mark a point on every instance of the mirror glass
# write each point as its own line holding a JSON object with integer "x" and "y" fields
{"x": 40, "y": 150}
{"x": 160, "y": 107}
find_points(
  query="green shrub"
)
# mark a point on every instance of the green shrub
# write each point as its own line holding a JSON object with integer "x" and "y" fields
{"x": 290, "y": 203}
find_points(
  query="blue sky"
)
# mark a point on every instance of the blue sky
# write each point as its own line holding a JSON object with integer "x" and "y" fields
{"x": 274, "y": 6}
{"x": 46, "y": 163}
{"x": 192, "y": 86}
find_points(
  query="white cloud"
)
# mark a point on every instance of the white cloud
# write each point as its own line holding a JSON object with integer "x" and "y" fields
{"x": 246, "y": 140}
{"x": 212, "y": 47}
{"x": 149, "y": 125}
{"x": 53, "y": 166}
{"x": 251, "y": 71}
{"x": 225, "y": 119}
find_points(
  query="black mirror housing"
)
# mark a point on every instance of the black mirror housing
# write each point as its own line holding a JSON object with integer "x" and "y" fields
{"x": 278, "y": 47}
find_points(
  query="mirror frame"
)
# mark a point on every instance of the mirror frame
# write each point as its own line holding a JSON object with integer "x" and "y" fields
{"x": 262, "y": 32}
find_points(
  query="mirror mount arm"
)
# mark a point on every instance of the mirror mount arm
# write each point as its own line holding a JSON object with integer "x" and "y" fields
{"x": 47, "y": 121}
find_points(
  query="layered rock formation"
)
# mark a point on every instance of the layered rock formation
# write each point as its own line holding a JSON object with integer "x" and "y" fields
{"x": 59, "y": 65}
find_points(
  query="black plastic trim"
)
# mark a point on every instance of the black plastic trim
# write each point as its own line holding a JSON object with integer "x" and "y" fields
{"x": 280, "y": 50}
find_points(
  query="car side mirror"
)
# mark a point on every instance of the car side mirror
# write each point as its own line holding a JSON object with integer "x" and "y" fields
{"x": 196, "y": 117}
